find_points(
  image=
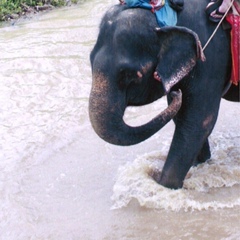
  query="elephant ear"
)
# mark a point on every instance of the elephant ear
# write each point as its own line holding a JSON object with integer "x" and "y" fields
{"x": 180, "y": 49}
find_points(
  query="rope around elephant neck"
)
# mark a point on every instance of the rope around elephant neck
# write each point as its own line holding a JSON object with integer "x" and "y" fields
{"x": 214, "y": 32}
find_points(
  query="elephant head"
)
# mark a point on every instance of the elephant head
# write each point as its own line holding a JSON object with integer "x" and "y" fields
{"x": 127, "y": 60}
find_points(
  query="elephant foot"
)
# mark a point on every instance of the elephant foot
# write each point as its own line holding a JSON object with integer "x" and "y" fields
{"x": 159, "y": 178}
{"x": 170, "y": 182}
{"x": 156, "y": 175}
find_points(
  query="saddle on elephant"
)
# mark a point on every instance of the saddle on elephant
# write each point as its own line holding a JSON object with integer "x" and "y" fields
{"x": 165, "y": 10}
{"x": 234, "y": 20}
{"x": 230, "y": 10}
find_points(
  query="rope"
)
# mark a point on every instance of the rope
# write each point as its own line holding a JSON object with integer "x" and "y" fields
{"x": 210, "y": 38}
{"x": 214, "y": 32}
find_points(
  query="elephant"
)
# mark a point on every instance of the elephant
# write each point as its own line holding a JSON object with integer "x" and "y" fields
{"x": 134, "y": 62}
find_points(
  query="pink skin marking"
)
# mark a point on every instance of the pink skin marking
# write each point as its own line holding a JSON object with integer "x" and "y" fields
{"x": 155, "y": 75}
{"x": 139, "y": 74}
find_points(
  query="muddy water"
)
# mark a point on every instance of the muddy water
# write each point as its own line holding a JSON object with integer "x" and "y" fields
{"x": 58, "y": 180}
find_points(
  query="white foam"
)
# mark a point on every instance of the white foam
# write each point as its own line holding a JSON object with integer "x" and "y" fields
{"x": 214, "y": 184}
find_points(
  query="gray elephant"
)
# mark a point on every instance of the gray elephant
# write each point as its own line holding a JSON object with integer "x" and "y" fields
{"x": 135, "y": 63}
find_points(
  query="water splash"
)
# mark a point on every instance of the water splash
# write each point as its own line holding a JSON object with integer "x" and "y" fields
{"x": 212, "y": 185}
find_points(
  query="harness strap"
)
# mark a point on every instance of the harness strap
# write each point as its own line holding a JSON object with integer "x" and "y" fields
{"x": 214, "y": 32}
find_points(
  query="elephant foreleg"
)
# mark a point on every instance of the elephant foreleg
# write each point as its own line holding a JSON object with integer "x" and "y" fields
{"x": 189, "y": 146}
{"x": 181, "y": 157}
{"x": 203, "y": 155}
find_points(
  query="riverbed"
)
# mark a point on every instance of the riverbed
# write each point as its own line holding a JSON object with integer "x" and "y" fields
{"x": 60, "y": 181}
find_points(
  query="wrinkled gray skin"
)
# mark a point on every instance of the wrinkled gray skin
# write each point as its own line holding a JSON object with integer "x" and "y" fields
{"x": 133, "y": 64}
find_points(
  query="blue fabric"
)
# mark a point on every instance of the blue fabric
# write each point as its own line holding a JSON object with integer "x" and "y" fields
{"x": 139, "y": 3}
{"x": 166, "y": 16}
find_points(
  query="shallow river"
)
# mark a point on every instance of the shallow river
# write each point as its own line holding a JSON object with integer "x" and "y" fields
{"x": 58, "y": 180}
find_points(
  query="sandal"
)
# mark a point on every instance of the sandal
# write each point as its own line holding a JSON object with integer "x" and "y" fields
{"x": 213, "y": 5}
{"x": 216, "y": 16}
{"x": 177, "y": 5}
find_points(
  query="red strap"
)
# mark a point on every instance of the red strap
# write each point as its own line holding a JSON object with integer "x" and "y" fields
{"x": 234, "y": 20}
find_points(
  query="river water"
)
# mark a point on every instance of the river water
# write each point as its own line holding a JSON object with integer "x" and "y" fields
{"x": 58, "y": 180}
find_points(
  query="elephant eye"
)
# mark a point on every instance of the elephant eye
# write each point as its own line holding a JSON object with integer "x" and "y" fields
{"x": 125, "y": 77}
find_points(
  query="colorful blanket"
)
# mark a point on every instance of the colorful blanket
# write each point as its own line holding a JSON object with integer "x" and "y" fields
{"x": 234, "y": 19}
{"x": 166, "y": 16}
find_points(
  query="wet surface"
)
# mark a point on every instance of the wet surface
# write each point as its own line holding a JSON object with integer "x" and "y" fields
{"x": 60, "y": 181}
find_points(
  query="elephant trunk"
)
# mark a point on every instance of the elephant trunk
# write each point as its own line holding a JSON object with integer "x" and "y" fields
{"x": 106, "y": 110}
